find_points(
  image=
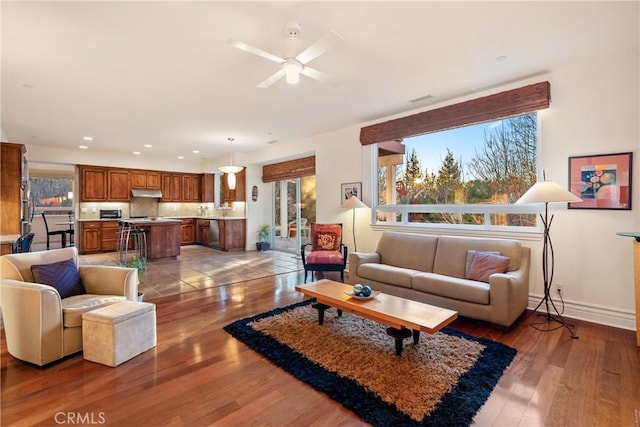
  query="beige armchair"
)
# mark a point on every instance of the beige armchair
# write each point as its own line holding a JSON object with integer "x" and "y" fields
{"x": 40, "y": 327}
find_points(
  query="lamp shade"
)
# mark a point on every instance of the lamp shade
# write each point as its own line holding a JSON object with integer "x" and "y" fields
{"x": 547, "y": 192}
{"x": 353, "y": 203}
{"x": 230, "y": 169}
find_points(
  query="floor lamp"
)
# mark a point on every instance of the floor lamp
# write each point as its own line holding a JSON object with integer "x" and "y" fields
{"x": 354, "y": 203}
{"x": 548, "y": 192}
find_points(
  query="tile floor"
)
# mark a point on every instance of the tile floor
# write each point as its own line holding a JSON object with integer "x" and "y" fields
{"x": 200, "y": 267}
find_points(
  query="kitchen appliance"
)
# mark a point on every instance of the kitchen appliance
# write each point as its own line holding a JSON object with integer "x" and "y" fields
{"x": 110, "y": 213}
{"x": 214, "y": 233}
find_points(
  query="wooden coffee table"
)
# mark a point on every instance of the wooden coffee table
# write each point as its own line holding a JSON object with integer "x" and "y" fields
{"x": 404, "y": 317}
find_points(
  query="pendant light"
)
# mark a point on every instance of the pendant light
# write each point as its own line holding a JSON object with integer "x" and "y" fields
{"x": 231, "y": 170}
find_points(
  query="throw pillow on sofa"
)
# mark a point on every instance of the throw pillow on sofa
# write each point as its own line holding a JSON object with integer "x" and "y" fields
{"x": 484, "y": 264}
{"x": 62, "y": 275}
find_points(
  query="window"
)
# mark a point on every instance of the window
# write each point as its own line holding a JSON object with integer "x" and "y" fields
{"x": 51, "y": 193}
{"x": 468, "y": 176}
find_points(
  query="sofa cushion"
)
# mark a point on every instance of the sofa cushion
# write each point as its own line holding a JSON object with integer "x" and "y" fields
{"x": 451, "y": 287}
{"x": 387, "y": 274}
{"x": 73, "y": 307}
{"x": 62, "y": 275}
{"x": 413, "y": 251}
{"x": 324, "y": 257}
{"x": 484, "y": 264}
{"x": 451, "y": 255}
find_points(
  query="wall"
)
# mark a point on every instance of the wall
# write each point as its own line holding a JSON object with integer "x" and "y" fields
{"x": 594, "y": 110}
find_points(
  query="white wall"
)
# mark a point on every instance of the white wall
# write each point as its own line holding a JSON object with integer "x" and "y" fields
{"x": 594, "y": 110}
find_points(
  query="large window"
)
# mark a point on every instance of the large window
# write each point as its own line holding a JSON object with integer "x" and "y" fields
{"x": 468, "y": 176}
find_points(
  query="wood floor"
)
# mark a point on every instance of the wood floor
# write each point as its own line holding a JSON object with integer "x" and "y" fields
{"x": 198, "y": 375}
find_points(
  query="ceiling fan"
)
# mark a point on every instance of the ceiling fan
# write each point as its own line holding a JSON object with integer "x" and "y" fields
{"x": 295, "y": 62}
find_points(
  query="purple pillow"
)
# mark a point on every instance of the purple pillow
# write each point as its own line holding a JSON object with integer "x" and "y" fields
{"x": 62, "y": 275}
{"x": 484, "y": 264}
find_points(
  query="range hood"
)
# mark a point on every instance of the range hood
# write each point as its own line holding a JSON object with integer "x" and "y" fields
{"x": 153, "y": 194}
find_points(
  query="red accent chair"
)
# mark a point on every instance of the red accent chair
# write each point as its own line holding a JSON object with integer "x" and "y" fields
{"x": 325, "y": 252}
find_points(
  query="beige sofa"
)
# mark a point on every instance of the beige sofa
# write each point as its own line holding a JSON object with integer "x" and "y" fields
{"x": 40, "y": 327}
{"x": 432, "y": 269}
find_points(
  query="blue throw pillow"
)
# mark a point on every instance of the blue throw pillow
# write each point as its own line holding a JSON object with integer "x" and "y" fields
{"x": 62, "y": 275}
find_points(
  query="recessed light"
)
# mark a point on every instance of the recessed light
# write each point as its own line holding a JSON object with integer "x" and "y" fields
{"x": 136, "y": 152}
{"x": 83, "y": 147}
{"x": 180, "y": 157}
{"x": 87, "y": 138}
{"x": 196, "y": 151}
{"x": 148, "y": 145}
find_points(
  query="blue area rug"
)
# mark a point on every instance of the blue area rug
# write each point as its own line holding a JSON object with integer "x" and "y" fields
{"x": 442, "y": 381}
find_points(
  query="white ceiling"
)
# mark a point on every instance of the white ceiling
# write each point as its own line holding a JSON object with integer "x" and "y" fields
{"x": 160, "y": 73}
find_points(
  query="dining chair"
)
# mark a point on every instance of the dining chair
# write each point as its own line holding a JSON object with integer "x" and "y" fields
{"x": 61, "y": 233}
{"x": 71, "y": 230}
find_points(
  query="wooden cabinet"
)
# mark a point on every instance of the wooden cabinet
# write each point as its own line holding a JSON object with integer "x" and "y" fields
{"x": 146, "y": 180}
{"x": 208, "y": 187}
{"x": 90, "y": 242}
{"x": 171, "y": 187}
{"x": 99, "y": 184}
{"x": 93, "y": 184}
{"x": 192, "y": 188}
{"x": 203, "y": 232}
{"x": 239, "y": 193}
{"x": 188, "y": 231}
{"x": 118, "y": 184}
{"x": 109, "y": 231}
{"x": 10, "y": 183}
{"x": 232, "y": 235}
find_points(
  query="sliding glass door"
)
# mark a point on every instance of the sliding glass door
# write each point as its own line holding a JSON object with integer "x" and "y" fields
{"x": 294, "y": 210}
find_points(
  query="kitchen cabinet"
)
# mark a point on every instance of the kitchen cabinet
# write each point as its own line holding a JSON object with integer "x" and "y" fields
{"x": 208, "y": 187}
{"x": 93, "y": 184}
{"x": 188, "y": 231}
{"x": 171, "y": 187}
{"x": 239, "y": 193}
{"x": 203, "y": 232}
{"x": 232, "y": 234}
{"x": 146, "y": 180}
{"x": 191, "y": 188}
{"x": 118, "y": 185}
{"x": 90, "y": 233}
{"x": 11, "y": 186}
{"x": 109, "y": 232}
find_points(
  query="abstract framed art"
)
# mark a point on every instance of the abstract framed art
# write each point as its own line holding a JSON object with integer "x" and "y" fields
{"x": 602, "y": 181}
{"x": 350, "y": 189}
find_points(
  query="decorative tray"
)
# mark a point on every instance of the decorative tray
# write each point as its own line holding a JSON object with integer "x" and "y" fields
{"x": 373, "y": 295}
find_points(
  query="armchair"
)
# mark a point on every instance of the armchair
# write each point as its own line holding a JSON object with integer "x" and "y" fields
{"x": 40, "y": 326}
{"x": 325, "y": 252}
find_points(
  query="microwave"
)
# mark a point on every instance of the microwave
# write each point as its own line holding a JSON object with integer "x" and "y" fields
{"x": 110, "y": 213}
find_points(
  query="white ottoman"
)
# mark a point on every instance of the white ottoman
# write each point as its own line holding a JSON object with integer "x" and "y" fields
{"x": 114, "y": 334}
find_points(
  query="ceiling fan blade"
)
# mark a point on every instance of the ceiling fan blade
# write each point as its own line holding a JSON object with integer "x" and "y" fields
{"x": 321, "y": 77}
{"x": 271, "y": 80}
{"x": 321, "y": 45}
{"x": 256, "y": 51}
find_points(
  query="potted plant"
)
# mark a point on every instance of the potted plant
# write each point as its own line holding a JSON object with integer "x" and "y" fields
{"x": 139, "y": 264}
{"x": 264, "y": 238}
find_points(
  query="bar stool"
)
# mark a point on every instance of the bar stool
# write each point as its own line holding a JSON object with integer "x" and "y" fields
{"x": 127, "y": 233}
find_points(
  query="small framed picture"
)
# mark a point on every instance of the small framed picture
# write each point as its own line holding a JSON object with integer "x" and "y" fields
{"x": 350, "y": 189}
{"x": 602, "y": 181}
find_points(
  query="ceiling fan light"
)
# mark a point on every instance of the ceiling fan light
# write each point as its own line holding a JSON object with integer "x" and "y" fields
{"x": 292, "y": 72}
{"x": 230, "y": 169}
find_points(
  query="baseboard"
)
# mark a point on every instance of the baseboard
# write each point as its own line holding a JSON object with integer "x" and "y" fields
{"x": 592, "y": 313}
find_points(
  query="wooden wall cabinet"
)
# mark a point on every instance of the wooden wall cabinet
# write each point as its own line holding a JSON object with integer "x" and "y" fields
{"x": 11, "y": 178}
{"x": 119, "y": 186}
{"x": 188, "y": 231}
{"x": 239, "y": 193}
{"x": 93, "y": 184}
{"x": 146, "y": 180}
{"x": 208, "y": 187}
{"x": 171, "y": 187}
{"x": 192, "y": 188}
{"x": 232, "y": 235}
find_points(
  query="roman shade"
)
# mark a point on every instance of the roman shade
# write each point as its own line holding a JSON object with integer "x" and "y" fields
{"x": 291, "y": 169}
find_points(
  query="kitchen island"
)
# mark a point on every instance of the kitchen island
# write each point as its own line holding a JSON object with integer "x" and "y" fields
{"x": 163, "y": 237}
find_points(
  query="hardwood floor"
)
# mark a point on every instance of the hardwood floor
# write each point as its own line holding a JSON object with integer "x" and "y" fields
{"x": 199, "y": 375}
